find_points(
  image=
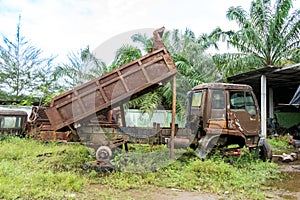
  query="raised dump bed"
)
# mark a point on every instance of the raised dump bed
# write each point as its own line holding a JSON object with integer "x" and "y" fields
{"x": 112, "y": 89}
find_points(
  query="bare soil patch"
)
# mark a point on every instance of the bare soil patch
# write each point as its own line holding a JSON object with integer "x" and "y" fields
{"x": 289, "y": 187}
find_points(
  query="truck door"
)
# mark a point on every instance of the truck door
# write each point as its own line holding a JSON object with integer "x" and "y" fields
{"x": 244, "y": 113}
{"x": 217, "y": 115}
{"x": 194, "y": 110}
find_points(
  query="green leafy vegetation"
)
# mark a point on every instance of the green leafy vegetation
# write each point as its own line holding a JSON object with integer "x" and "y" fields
{"x": 23, "y": 70}
{"x": 268, "y": 35}
{"x": 145, "y": 158}
{"x": 280, "y": 144}
{"x": 243, "y": 176}
{"x": 194, "y": 67}
{"x": 34, "y": 170}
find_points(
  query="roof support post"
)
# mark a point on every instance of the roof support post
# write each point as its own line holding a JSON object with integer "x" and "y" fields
{"x": 263, "y": 100}
{"x": 271, "y": 104}
{"x": 173, "y": 118}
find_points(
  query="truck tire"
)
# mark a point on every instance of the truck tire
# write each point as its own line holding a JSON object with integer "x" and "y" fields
{"x": 103, "y": 153}
{"x": 265, "y": 151}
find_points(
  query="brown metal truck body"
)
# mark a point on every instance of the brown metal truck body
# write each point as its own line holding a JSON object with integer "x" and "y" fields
{"x": 222, "y": 114}
{"x": 91, "y": 104}
{"x": 112, "y": 89}
{"x": 225, "y": 109}
{"x": 218, "y": 114}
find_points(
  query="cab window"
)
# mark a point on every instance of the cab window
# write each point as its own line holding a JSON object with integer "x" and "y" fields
{"x": 197, "y": 99}
{"x": 10, "y": 122}
{"x": 250, "y": 104}
{"x": 218, "y": 99}
{"x": 243, "y": 101}
{"x": 218, "y": 108}
{"x": 237, "y": 100}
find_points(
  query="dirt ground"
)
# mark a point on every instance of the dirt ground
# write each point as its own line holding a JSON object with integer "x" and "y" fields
{"x": 289, "y": 188}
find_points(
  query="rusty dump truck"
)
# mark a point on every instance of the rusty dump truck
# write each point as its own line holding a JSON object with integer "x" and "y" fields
{"x": 218, "y": 114}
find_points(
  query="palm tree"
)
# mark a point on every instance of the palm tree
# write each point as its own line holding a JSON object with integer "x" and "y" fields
{"x": 267, "y": 35}
{"x": 84, "y": 66}
{"x": 124, "y": 55}
{"x": 81, "y": 67}
{"x": 194, "y": 68}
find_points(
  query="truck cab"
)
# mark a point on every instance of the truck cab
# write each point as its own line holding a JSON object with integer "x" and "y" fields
{"x": 222, "y": 114}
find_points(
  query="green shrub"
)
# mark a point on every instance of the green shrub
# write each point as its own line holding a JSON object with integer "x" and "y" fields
{"x": 243, "y": 176}
{"x": 280, "y": 144}
{"x": 145, "y": 158}
{"x": 34, "y": 170}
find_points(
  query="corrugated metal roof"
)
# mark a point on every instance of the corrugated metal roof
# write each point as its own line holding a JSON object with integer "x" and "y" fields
{"x": 276, "y": 76}
{"x": 222, "y": 86}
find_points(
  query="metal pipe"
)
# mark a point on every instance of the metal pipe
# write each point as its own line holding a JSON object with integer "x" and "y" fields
{"x": 263, "y": 105}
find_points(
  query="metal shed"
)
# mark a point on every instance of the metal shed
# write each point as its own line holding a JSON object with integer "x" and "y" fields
{"x": 275, "y": 85}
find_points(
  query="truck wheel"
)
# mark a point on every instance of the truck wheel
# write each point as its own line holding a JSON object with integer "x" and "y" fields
{"x": 103, "y": 153}
{"x": 265, "y": 151}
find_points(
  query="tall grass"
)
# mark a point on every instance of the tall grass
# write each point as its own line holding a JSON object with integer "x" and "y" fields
{"x": 33, "y": 170}
{"x": 242, "y": 178}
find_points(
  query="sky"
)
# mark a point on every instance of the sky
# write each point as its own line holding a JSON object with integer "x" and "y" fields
{"x": 59, "y": 27}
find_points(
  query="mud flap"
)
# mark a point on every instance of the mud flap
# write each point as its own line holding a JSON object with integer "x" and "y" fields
{"x": 206, "y": 145}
